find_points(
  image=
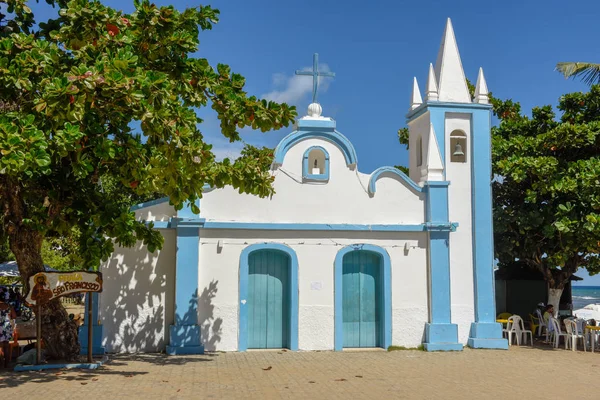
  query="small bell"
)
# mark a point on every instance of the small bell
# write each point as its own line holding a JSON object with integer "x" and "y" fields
{"x": 458, "y": 152}
{"x": 315, "y": 166}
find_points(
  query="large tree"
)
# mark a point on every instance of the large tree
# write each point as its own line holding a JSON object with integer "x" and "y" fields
{"x": 546, "y": 190}
{"x": 96, "y": 96}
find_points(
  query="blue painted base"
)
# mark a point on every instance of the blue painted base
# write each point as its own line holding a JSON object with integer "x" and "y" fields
{"x": 96, "y": 351}
{"x": 41, "y": 367}
{"x": 98, "y": 333}
{"x": 487, "y": 335}
{"x": 442, "y": 337}
{"x": 185, "y": 339}
{"x": 177, "y": 351}
{"x": 443, "y": 346}
{"x": 500, "y": 344}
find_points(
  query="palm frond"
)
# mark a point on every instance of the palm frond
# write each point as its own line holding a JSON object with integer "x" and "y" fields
{"x": 587, "y": 72}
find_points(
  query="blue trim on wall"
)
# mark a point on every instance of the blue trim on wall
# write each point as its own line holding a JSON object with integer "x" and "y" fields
{"x": 485, "y": 332}
{"x": 185, "y": 333}
{"x": 306, "y": 169}
{"x": 149, "y": 203}
{"x": 338, "y": 293}
{"x": 277, "y": 226}
{"x": 332, "y": 136}
{"x": 186, "y": 304}
{"x": 331, "y": 227}
{"x": 464, "y": 107}
{"x": 314, "y": 227}
{"x": 483, "y": 245}
{"x": 440, "y": 333}
{"x": 439, "y": 261}
{"x": 188, "y": 222}
{"x": 395, "y": 171}
{"x": 243, "y": 293}
{"x": 97, "y": 329}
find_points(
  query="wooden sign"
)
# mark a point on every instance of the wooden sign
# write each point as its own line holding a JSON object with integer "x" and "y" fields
{"x": 45, "y": 286}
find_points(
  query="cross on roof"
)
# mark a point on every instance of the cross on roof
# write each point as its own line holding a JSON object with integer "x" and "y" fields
{"x": 315, "y": 74}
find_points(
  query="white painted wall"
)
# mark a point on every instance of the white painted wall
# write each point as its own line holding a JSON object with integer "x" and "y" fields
{"x": 461, "y": 241}
{"x": 137, "y": 303}
{"x": 418, "y": 127}
{"x": 137, "y": 306}
{"x": 342, "y": 200}
{"x": 316, "y": 251}
{"x": 157, "y": 212}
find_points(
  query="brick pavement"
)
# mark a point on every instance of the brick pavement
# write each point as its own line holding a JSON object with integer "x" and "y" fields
{"x": 517, "y": 373}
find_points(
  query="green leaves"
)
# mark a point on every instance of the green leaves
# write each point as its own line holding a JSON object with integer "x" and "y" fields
{"x": 99, "y": 108}
{"x": 547, "y": 201}
{"x": 23, "y": 147}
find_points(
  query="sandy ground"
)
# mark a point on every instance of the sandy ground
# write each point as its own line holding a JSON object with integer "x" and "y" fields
{"x": 523, "y": 372}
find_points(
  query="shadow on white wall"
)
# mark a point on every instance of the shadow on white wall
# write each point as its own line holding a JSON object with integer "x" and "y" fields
{"x": 210, "y": 327}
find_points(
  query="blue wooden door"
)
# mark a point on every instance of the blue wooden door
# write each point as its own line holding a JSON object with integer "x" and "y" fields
{"x": 268, "y": 299}
{"x": 362, "y": 299}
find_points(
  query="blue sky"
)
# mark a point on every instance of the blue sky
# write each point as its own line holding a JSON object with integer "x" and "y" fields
{"x": 375, "y": 48}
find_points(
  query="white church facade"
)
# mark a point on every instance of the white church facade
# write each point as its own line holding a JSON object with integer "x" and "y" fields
{"x": 335, "y": 258}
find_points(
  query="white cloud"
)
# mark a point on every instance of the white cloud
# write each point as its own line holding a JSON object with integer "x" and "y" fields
{"x": 279, "y": 79}
{"x": 292, "y": 89}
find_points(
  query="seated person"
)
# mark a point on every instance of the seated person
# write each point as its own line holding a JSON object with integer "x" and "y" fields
{"x": 548, "y": 313}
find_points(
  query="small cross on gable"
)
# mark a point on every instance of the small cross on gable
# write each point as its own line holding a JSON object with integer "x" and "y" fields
{"x": 315, "y": 74}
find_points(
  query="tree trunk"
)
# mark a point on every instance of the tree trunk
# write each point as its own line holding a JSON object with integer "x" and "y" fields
{"x": 557, "y": 279}
{"x": 59, "y": 333}
{"x": 554, "y": 298}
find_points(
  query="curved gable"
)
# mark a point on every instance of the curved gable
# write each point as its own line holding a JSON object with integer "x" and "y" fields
{"x": 332, "y": 136}
{"x": 396, "y": 173}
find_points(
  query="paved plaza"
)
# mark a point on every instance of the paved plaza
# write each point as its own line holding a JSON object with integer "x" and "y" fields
{"x": 477, "y": 374}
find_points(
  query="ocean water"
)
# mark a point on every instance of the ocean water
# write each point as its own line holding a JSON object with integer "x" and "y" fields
{"x": 584, "y": 295}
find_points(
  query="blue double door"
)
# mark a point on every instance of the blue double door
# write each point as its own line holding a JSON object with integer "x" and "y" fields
{"x": 269, "y": 290}
{"x": 362, "y": 299}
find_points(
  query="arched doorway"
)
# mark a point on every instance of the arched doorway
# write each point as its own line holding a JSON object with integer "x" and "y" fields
{"x": 362, "y": 298}
{"x": 268, "y": 298}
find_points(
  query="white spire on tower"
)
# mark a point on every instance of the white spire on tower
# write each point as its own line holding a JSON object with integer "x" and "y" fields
{"x": 481, "y": 89}
{"x": 452, "y": 85}
{"x": 416, "y": 99}
{"x": 434, "y": 167}
{"x": 431, "y": 92}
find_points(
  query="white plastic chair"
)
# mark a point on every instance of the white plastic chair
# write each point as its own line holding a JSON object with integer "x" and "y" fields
{"x": 582, "y": 326}
{"x": 573, "y": 334}
{"x": 555, "y": 331}
{"x": 521, "y": 331}
{"x": 515, "y": 326}
{"x": 507, "y": 332}
{"x": 593, "y": 336}
{"x": 542, "y": 324}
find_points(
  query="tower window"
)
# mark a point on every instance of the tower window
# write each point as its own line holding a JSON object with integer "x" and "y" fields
{"x": 458, "y": 146}
{"x": 315, "y": 164}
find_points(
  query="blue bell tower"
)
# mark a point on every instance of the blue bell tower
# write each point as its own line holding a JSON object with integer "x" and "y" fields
{"x": 450, "y": 157}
